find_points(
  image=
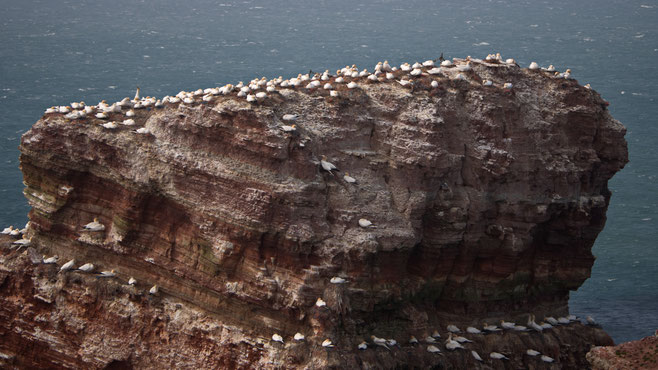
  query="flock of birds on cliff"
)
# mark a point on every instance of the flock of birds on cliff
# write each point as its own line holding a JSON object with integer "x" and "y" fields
{"x": 122, "y": 113}
{"x": 256, "y": 91}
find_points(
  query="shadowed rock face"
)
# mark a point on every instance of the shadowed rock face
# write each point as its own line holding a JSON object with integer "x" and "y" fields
{"x": 485, "y": 204}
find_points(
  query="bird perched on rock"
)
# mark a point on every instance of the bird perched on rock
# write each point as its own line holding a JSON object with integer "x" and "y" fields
{"x": 153, "y": 290}
{"x": 298, "y": 337}
{"x": 472, "y": 330}
{"x": 320, "y": 303}
{"x": 507, "y": 325}
{"x": 498, "y": 356}
{"x": 453, "y": 329}
{"x": 328, "y": 166}
{"x": 349, "y": 179}
{"x": 287, "y": 128}
{"x": 107, "y": 274}
{"x": 277, "y": 338}
{"x": 436, "y": 334}
{"x": 327, "y": 343}
{"x": 7, "y": 230}
{"x": 532, "y": 352}
{"x": 476, "y": 356}
{"x": 413, "y": 340}
{"x": 337, "y": 280}
{"x": 95, "y": 225}
{"x": 491, "y": 328}
{"x": 365, "y": 223}
{"x": 453, "y": 344}
{"x": 380, "y": 342}
{"x": 132, "y": 281}
{"x": 547, "y": 358}
{"x": 433, "y": 349}
{"x": 363, "y": 345}
{"x": 50, "y": 260}
{"x": 67, "y": 266}
{"x": 591, "y": 321}
{"x": 87, "y": 267}
{"x": 23, "y": 242}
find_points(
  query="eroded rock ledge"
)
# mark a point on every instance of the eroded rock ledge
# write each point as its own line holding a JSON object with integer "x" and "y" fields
{"x": 486, "y": 203}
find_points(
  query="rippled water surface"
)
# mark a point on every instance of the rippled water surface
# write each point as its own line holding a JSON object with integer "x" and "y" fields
{"x": 56, "y": 52}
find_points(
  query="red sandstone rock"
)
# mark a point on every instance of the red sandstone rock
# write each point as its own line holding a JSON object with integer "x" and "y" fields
{"x": 486, "y": 205}
{"x": 639, "y": 354}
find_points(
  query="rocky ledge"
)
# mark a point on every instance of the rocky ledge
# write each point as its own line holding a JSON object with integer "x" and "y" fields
{"x": 639, "y": 354}
{"x": 475, "y": 193}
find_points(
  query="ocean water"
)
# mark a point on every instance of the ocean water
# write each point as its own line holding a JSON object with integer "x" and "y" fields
{"x": 56, "y": 52}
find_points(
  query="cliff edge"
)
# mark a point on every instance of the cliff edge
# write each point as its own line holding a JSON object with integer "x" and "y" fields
{"x": 485, "y": 183}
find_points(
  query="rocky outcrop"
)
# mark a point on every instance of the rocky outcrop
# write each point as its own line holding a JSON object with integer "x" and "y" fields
{"x": 639, "y": 354}
{"x": 485, "y": 203}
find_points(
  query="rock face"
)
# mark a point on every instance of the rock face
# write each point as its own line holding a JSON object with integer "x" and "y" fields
{"x": 485, "y": 203}
{"x": 639, "y": 354}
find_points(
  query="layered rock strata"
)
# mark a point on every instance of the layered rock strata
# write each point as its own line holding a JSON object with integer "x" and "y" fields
{"x": 485, "y": 202}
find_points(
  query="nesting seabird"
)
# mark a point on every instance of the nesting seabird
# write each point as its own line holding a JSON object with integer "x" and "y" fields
{"x": 547, "y": 359}
{"x": 472, "y": 330}
{"x": 320, "y": 303}
{"x": 87, "y": 267}
{"x": 298, "y": 337}
{"x": 8, "y": 230}
{"x": 110, "y": 125}
{"x": 348, "y": 178}
{"x": 433, "y": 349}
{"x": 532, "y": 352}
{"x": 153, "y": 290}
{"x": 328, "y": 166}
{"x": 413, "y": 340}
{"x": 508, "y": 86}
{"x": 507, "y": 325}
{"x": 476, "y": 356}
{"x": 50, "y": 260}
{"x": 461, "y": 339}
{"x": 277, "y": 338}
{"x": 128, "y": 122}
{"x": 365, "y": 223}
{"x": 23, "y": 242}
{"x": 563, "y": 321}
{"x": 380, "y": 342}
{"x": 333, "y": 93}
{"x": 533, "y": 66}
{"x": 95, "y": 225}
{"x": 430, "y": 339}
{"x": 327, "y": 343}
{"x": 591, "y": 321}
{"x": 453, "y": 329}
{"x": 337, "y": 280}
{"x": 436, "y": 334}
{"x": 498, "y": 356}
{"x": 435, "y": 84}
{"x": 532, "y": 324}
{"x": 136, "y": 94}
{"x": 551, "y": 320}
{"x": 363, "y": 345}
{"x": 108, "y": 274}
{"x": 487, "y": 83}
{"x": 453, "y": 344}
{"x": 290, "y": 128}
{"x": 67, "y": 266}
{"x": 132, "y": 281}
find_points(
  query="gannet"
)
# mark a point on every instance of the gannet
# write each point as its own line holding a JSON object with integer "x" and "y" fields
{"x": 405, "y": 83}
{"x": 87, "y": 267}
{"x": 545, "y": 325}
{"x": 67, "y": 266}
{"x": 208, "y": 98}
{"x": 365, "y": 223}
{"x": 433, "y": 349}
{"x": 287, "y": 128}
{"x": 472, "y": 330}
{"x": 436, "y": 334}
{"x": 107, "y": 274}
{"x": 461, "y": 339}
{"x": 333, "y": 93}
{"x": 153, "y": 290}
{"x": 277, "y": 338}
{"x": 572, "y": 318}
{"x": 547, "y": 358}
{"x": 487, "y": 83}
{"x": 363, "y": 345}
{"x": 320, "y": 302}
{"x": 413, "y": 340}
{"x": 507, "y": 325}
{"x": 491, "y": 328}
{"x": 510, "y": 61}
{"x": 434, "y": 71}
{"x": 550, "y": 68}
{"x": 50, "y": 260}
{"x": 453, "y": 329}
{"x": 339, "y": 80}
{"x": 137, "y": 94}
{"x": 95, "y": 225}
{"x": 452, "y": 344}
{"x": 476, "y": 356}
{"x": 132, "y": 281}
{"x": 327, "y": 343}
{"x": 337, "y": 280}
{"x": 508, "y": 86}
{"x": 551, "y": 320}
{"x": 520, "y": 328}
{"x": 435, "y": 84}
{"x": 446, "y": 63}
{"x": 498, "y": 356}
{"x": 261, "y": 95}
{"x": 532, "y": 324}
{"x": 379, "y": 341}
{"x": 101, "y": 115}
{"x": 128, "y": 122}
{"x": 563, "y": 321}
{"x": 428, "y": 63}
{"x": 591, "y": 321}
{"x": 386, "y": 67}
{"x": 460, "y": 77}
{"x": 373, "y": 78}
{"x": 416, "y": 72}
{"x": 143, "y": 130}
{"x": 110, "y": 125}
{"x": 405, "y": 67}
{"x": 8, "y": 230}
{"x": 352, "y": 85}
{"x": 533, "y": 66}
{"x": 588, "y": 87}
{"x": 270, "y": 89}
{"x": 348, "y": 178}
{"x": 532, "y": 352}
{"x": 327, "y": 166}
{"x": 327, "y": 86}
{"x": 251, "y": 98}
{"x": 389, "y": 76}
{"x": 22, "y": 242}
{"x": 298, "y": 337}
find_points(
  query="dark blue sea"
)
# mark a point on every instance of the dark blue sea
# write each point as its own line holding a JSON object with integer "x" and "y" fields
{"x": 56, "y": 52}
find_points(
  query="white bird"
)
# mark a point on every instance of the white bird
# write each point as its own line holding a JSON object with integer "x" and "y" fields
{"x": 491, "y": 328}
{"x": 550, "y": 68}
{"x": 143, "y": 130}
{"x": 461, "y": 339}
{"x": 110, "y": 125}
{"x": 136, "y": 94}
{"x": 591, "y": 321}
{"x": 132, "y": 281}
{"x": 107, "y": 274}
{"x": 327, "y": 343}
{"x": 50, "y": 260}
{"x": 95, "y": 225}
{"x": 153, "y": 290}
{"x": 498, "y": 356}
{"x": 476, "y": 356}
{"x": 433, "y": 349}
{"x": 435, "y": 84}
{"x": 277, "y": 338}
{"x": 287, "y": 128}
{"x": 533, "y": 324}
{"x": 365, "y": 223}
{"x": 533, "y": 66}
{"x": 333, "y": 93}
{"x": 563, "y": 321}
{"x": 22, "y": 242}
{"x": 101, "y": 115}
{"x": 413, "y": 340}
{"x": 363, "y": 346}
{"x": 337, "y": 280}
{"x": 7, "y": 230}
{"x": 128, "y": 122}
{"x": 67, "y": 266}
{"x": 261, "y": 95}
{"x": 572, "y": 318}
{"x": 320, "y": 303}
{"x": 87, "y": 267}
{"x": 507, "y": 325}
{"x": 551, "y": 320}
{"x": 416, "y": 72}
{"x": 379, "y": 341}
{"x": 453, "y": 329}
{"x": 15, "y": 232}
{"x": 472, "y": 330}
{"x": 430, "y": 339}
{"x": 251, "y": 98}
{"x": 348, "y": 178}
{"x": 520, "y": 328}
{"x": 547, "y": 358}
{"x": 532, "y": 352}
{"x": 446, "y": 63}
{"x": 130, "y": 113}
{"x": 545, "y": 325}
{"x": 436, "y": 334}
{"x": 298, "y": 337}
{"x": 452, "y": 344}
{"x": 327, "y": 166}
{"x": 392, "y": 342}
{"x": 352, "y": 85}
{"x": 487, "y": 83}
{"x": 508, "y": 86}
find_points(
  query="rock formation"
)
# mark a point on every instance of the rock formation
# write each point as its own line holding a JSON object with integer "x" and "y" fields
{"x": 638, "y": 354}
{"x": 485, "y": 203}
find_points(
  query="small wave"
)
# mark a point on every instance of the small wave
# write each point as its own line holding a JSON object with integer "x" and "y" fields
{"x": 481, "y": 44}
{"x": 647, "y": 6}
